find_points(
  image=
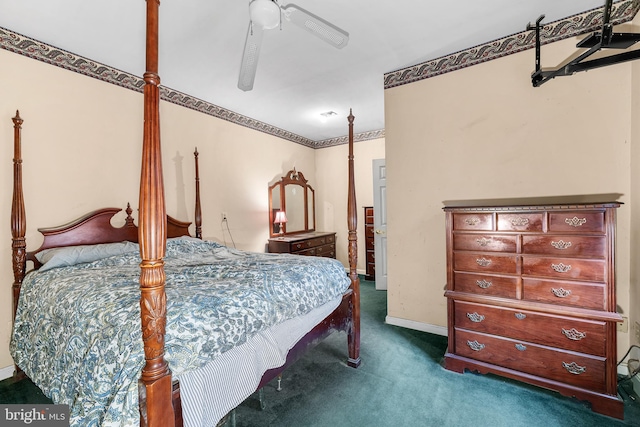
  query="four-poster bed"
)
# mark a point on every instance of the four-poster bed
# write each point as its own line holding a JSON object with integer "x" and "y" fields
{"x": 162, "y": 243}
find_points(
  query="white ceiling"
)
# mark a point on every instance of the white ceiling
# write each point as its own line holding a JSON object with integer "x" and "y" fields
{"x": 298, "y": 76}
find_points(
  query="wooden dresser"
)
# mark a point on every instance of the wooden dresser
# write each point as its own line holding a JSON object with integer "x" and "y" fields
{"x": 368, "y": 238}
{"x": 314, "y": 243}
{"x": 531, "y": 296}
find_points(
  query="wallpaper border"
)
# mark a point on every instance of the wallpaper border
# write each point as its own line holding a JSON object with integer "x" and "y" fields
{"x": 24, "y": 45}
{"x": 572, "y": 26}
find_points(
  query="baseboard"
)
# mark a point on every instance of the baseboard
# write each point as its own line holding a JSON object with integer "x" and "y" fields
{"x": 6, "y": 372}
{"x": 622, "y": 369}
{"x": 418, "y": 326}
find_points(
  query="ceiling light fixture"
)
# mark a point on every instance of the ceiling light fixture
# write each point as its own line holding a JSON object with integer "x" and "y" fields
{"x": 264, "y": 13}
{"x": 326, "y": 115}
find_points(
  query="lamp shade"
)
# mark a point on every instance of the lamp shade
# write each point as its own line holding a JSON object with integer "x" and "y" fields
{"x": 281, "y": 217}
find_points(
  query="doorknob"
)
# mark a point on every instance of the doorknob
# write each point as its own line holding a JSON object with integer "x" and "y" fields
{"x": 379, "y": 232}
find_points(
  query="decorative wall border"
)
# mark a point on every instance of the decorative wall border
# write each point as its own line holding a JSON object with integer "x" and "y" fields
{"x": 205, "y": 107}
{"x": 34, "y": 49}
{"x": 622, "y": 11}
{"x": 359, "y": 137}
{"x": 23, "y": 45}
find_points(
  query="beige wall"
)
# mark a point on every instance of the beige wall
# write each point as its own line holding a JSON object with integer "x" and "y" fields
{"x": 82, "y": 150}
{"x": 483, "y": 133}
{"x": 634, "y": 291}
{"x": 332, "y": 178}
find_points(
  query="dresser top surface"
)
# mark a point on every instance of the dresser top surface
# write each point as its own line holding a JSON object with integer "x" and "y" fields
{"x": 302, "y": 236}
{"x": 536, "y": 203}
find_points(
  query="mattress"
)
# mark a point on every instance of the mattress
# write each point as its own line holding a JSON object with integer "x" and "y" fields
{"x": 77, "y": 331}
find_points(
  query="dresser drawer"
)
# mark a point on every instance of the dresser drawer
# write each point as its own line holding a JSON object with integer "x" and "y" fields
{"x": 564, "y": 268}
{"x": 576, "y": 294}
{"x": 370, "y": 257}
{"x": 368, "y": 241}
{"x": 494, "y": 263}
{"x": 568, "y": 367}
{"x": 368, "y": 215}
{"x": 565, "y": 245}
{"x": 520, "y": 221}
{"x": 368, "y": 232}
{"x": 319, "y": 241}
{"x": 482, "y": 284}
{"x": 576, "y": 221}
{"x": 324, "y": 250}
{"x": 312, "y": 243}
{"x": 555, "y": 331}
{"x": 485, "y": 242}
{"x": 472, "y": 221}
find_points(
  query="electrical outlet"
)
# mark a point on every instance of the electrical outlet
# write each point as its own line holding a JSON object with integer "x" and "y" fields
{"x": 624, "y": 325}
{"x": 637, "y": 332}
{"x": 223, "y": 216}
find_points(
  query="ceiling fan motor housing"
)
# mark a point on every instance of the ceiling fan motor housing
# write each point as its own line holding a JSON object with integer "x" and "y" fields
{"x": 265, "y": 13}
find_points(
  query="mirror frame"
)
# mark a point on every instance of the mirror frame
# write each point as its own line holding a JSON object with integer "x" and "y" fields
{"x": 293, "y": 177}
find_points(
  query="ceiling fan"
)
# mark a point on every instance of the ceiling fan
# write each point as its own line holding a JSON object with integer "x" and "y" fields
{"x": 267, "y": 15}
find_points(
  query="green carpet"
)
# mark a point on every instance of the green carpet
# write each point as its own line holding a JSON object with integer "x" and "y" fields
{"x": 400, "y": 383}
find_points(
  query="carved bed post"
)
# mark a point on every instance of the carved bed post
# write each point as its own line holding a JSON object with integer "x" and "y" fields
{"x": 18, "y": 217}
{"x": 155, "y": 382}
{"x": 198, "y": 211}
{"x": 352, "y": 222}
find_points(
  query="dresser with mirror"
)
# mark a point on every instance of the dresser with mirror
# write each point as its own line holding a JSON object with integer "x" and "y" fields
{"x": 292, "y": 219}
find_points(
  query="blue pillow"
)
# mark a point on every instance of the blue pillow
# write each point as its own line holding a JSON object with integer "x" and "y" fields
{"x": 72, "y": 255}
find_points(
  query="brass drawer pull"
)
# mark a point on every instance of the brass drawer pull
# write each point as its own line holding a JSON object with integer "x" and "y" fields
{"x": 475, "y": 345}
{"x": 560, "y": 244}
{"x": 574, "y": 368}
{"x": 483, "y": 262}
{"x": 520, "y": 222}
{"x": 575, "y": 221}
{"x": 574, "y": 334}
{"x": 561, "y": 268}
{"x": 484, "y": 284}
{"x": 520, "y": 316}
{"x": 560, "y": 292}
{"x": 521, "y": 347}
{"x": 472, "y": 221}
{"x": 475, "y": 317}
{"x": 483, "y": 241}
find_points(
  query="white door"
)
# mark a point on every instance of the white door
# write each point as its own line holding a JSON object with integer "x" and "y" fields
{"x": 380, "y": 222}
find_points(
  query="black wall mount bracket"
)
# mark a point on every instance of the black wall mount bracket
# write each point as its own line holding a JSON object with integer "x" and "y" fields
{"x": 604, "y": 39}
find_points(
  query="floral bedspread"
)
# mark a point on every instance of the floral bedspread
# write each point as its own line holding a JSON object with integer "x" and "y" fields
{"x": 77, "y": 332}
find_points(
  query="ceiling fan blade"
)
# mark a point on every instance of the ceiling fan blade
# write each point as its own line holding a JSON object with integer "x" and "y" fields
{"x": 315, "y": 25}
{"x": 250, "y": 57}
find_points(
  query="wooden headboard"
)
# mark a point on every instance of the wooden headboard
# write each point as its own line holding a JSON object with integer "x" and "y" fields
{"x": 96, "y": 227}
{"x": 92, "y": 228}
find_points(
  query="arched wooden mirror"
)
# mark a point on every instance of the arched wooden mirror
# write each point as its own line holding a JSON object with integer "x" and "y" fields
{"x": 296, "y": 198}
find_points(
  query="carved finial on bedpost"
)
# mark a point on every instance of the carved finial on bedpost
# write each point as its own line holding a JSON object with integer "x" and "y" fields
{"x": 198, "y": 211}
{"x": 18, "y": 216}
{"x": 128, "y": 221}
{"x": 352, "y": 222}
